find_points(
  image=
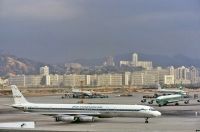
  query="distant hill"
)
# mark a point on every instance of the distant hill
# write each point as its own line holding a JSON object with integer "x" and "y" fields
{"x": 10, "y": 64}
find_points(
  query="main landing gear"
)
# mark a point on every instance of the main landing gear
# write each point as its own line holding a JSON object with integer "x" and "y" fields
{"x": 186, "y": 102}
{"x": 177, "y": 104}
{"x": 146, "y": 120}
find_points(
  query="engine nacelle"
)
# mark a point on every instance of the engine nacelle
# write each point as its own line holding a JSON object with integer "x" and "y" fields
{"x": 65, "y": 118}
{"x": 86, "y": 118}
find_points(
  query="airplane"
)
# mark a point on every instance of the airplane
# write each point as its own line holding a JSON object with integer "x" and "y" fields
{"x": 74, "y": 90}
{"x": 77, "y": 93}
{"x": 82, "y": 112}
{"x": 170, "y": 91}
{"x": 174, "y": 98}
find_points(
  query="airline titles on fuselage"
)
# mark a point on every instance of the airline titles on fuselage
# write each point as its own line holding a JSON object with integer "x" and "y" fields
{"x": 86, "y": 107}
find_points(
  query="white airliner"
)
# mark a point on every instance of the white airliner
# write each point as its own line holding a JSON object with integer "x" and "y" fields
{"x": 82, "y": 112}
{"x": 170, "y": 91}
{"x": 74, "y": 90}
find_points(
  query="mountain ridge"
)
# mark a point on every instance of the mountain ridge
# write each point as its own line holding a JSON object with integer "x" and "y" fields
{"x": 158, "y": 60}
{"x": 12, "y": 65}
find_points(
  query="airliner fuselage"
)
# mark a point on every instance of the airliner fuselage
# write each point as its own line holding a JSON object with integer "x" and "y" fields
{"x": 102, "y": 111}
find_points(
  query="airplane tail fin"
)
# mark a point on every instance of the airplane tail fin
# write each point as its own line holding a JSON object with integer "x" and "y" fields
{"x": 159, "y": 86}
{"x": 17, "y": 95}
{"x": 181, "y": 86}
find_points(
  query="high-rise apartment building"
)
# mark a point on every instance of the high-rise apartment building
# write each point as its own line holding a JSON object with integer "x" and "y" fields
{"x": 126, "y": 63}
{"x": 109, "y": 80}
{"x": 33, "y": 80}
{"x": 18, "y": 80}
{"x": 56, "y": 80}
{"x": 109, "y": 61}
{"x": 126, "y": 78}
{"x": 145, "y": 64}
{"x": 93, "y": 80}
{"x": 171, "y": 70}
{"x": 44, "y": 70}
{"x": 182, "y": 75}
{"x": 74, "y": 80}
{"x": 194, "y": 75}
{"x": 169, "y": 79}
{"x": 137, "y": 78}
{"x": 134, "y": 59}
{"x": 136, "y": 63}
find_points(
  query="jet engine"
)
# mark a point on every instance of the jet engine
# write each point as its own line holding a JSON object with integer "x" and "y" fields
{"x": 74, "y": 119}
{"x": 65, "y": 118}
{"x": 86, "y": 118}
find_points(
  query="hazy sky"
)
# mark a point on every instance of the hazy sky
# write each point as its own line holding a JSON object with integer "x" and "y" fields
{"x": 61, "y": 30}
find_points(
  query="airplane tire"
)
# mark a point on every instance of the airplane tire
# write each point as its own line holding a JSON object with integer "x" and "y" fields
{"x": 186, "y": 102}
{"x": 176, "y": 104}
{"x": 155, "y": 95}
{"x": 57, "y": 119}
{"x": 143, "y": 100}
{"x": 146, "y": 120}
{"x": 93, "y": 119}
{"x": 150, "y": 102}
{"x": 76, "y": 119}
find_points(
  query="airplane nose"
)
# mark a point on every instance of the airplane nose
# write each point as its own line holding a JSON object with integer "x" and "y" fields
{"x": 157, "y": 113}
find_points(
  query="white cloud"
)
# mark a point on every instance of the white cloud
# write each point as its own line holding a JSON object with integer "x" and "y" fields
{"x": 40, "y": 9}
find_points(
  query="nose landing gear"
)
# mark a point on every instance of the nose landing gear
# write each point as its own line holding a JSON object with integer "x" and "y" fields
{"x": 146, "y": 120}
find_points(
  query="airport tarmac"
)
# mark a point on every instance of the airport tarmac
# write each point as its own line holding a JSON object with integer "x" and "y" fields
{"x": 183, "y": 118}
